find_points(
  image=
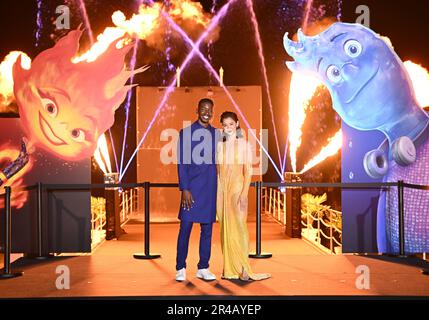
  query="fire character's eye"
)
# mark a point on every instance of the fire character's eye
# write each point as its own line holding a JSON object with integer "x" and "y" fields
{"x": 78, "y": 135}
{"x": 334, "y": 74}
{"x": 50, "y": 107}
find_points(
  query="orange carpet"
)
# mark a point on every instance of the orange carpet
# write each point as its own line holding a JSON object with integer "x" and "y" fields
{"x": 296, "y": 267}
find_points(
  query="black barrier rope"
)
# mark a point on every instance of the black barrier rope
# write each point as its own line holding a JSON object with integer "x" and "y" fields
{"x": 330, "y": 185}
{"x": 89, "y": 186}
{"x": 146, "y": 255}
{"x": 7, "y": 272}
{"x": 71, "y": 187}
{"x": 415, "y": 186}
{"x": 258, "y": 185}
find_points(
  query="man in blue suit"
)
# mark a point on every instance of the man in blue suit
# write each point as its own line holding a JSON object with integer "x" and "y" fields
{"x": 198, "y": 183}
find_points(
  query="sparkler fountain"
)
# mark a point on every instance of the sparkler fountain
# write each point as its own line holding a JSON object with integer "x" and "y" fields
{"x": 39, "y": 22}
{"x": 249, "y": 4}
{"x": 195, "y": 49}
{"x": 222, "y": 12}
{"x": 82, "y": 7}
{"x": 86, "y": 20}
{"x": 129, "y": 95}
{"x": 220, "y": 81}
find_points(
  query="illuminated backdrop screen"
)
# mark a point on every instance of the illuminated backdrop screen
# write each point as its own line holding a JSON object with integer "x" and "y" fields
{"x": 180, "y": 108}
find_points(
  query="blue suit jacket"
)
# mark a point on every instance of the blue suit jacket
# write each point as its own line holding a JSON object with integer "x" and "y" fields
{"x": 197, "y": 171}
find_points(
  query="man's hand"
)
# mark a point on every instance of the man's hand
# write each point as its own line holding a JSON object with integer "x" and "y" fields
{"x": 187, "y": 200}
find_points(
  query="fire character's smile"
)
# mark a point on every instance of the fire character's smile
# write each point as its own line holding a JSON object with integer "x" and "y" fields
{"x": 49, "y": 132}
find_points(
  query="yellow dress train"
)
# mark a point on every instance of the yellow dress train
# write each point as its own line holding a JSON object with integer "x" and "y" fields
{"x": 234, "y": 177}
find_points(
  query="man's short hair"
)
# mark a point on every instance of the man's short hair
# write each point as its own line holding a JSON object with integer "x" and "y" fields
{"x": 205, "y": 101}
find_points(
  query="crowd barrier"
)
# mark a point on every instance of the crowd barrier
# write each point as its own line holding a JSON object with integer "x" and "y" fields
{"x": 8, "y": 273}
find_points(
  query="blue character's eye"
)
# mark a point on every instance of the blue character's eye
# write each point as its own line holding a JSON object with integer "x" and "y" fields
{"x": 334, "y": 74}
{"x": 353, "y": 48}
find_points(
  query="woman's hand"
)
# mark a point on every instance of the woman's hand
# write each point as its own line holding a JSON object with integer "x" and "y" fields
{"x": 242, "y": 202}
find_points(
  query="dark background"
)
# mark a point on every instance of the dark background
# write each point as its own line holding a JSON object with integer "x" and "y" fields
{"x": 404, "y": 22}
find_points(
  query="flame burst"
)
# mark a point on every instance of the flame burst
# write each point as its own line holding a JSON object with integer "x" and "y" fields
{"x": 420, "y": 79}
{"x": 189, "y": 10}
{"x": 331, "y": 149}
{"x": 101, "y": 155}
{"x": 6, "y": 78}
{"x": 302, "y": 89}
{"x": 145, "y": 23}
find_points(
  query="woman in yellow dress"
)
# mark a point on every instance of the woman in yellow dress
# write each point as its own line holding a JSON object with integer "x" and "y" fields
{"x": 234, "y": 159}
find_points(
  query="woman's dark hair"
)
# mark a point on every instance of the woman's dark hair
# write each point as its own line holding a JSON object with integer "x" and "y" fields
{"x": 233, "y": 116}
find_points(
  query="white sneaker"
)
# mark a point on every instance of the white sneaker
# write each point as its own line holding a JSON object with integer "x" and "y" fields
{"x": 205, "y": 274}
{"x": 181, "y": 275}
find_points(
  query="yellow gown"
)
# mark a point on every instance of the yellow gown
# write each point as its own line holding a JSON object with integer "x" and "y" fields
{"x": 234, "y": 177}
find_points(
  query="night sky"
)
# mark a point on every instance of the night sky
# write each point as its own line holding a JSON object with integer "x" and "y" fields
{"x": 404, "y": 22}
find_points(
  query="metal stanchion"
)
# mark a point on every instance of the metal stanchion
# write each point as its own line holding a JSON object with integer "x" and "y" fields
{"x": 258, "y": 254}
{"x": 425, "y": 271}
{"x": 146, "y": 255}
{"x": 39, "y": 227}
{"x": 401, "y": 224}
{"x": 7, "y": 273}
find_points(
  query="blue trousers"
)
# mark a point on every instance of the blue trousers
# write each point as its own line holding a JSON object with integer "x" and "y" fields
{"x": 183, "y": 244}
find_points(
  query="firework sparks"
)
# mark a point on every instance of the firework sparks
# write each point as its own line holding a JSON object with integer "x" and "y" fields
{"x": 258, "y": 40}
